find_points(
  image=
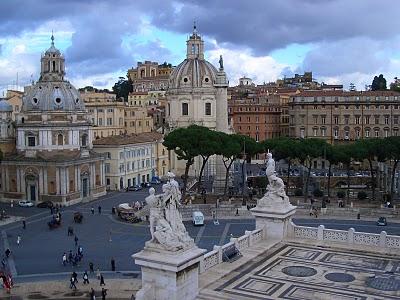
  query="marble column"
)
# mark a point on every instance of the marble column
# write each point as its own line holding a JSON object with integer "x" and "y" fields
{"x": 41, "y": 182}
{"x": 3, "y": 178}
{"x": 58, "y": 187}
{"x": 66, "y": 180}
{"x": 45, "y": 182}
{"x": 18, "y": 180}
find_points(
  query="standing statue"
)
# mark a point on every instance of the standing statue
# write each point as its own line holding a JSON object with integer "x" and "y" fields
{"x": 221, "y": 62}
{"x": 166, "y": 227}
{"x": 276, "y": 187}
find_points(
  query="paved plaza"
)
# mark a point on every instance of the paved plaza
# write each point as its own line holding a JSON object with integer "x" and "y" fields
{"x": 296, "y": 271}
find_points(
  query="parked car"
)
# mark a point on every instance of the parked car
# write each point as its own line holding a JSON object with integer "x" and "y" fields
{"x": 155, "y": 181}
{"x": 381, "y": 221}
{"x": 135, "y": 188}
{"x": 146, "y": 184}
{"x": 25, "y": 203}
{"x": 45, "y": 204}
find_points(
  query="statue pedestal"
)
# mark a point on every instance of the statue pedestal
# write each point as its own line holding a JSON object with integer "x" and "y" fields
{"x": 169, "y": 275}
{"x": 274, "y": 216}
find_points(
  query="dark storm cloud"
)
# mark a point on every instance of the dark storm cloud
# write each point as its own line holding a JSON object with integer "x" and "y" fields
{"x": 266, "y": 25}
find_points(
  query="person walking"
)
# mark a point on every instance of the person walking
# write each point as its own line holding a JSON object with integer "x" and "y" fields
{"x": 92, "y": 210}
{"x": 91, "y": 267}
{"x": 18, "y": 240}
{"x": 75, "y": 276}
{"x": 70, "y": 257}
{"x": 103, "y": 293}
{"x": 72, "y": 283}
{"x": 76, "y": 241}
{"x": 23, "y": 224}
{"x": 112, "y": 264}
{"x": 92, "y": 294}
{"x": 85, "y": 278}
{"x": 99, "y": 208}
{"x": 64, "y": 259}
{"x": 102, "y": 280}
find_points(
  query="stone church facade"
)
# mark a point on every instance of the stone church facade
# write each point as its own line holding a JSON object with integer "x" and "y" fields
{"x": 53, "y": 160}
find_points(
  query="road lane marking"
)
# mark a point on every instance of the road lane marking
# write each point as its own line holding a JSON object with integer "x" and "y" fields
{"x": 224, "y": 234}
{"x": 10, "y": 260}
{"x": 200, "y": 234}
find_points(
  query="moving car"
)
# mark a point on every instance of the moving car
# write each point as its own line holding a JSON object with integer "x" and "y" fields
{"x": 135, "y": 188}
{"x": 198, "y": 218}
{"x": 381, "y": 221}
{"x": 25, "y": 203}
{"x": 45, "y": 204}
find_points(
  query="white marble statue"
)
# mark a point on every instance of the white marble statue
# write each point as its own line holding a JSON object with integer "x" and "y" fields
{"x": 276, "y": 188}
{"x": 166, "y": 227}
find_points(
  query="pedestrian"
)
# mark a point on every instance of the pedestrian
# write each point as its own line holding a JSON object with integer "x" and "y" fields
{"x": 92, "y": 210}
{"x": 64, "y": 259}
{"x": 70, "y": 257}
{"x": 23, "y": 224}
{"x": 75, "y": 276}
{"x": 7, "y": 252}
{"x": 72, "y": 283}
{"x": 99, "y": 208}
{"x": 76, "y": 241}
{"x": 92, "y": 294}
{"x": 102, "y": 280}
{"x": 85, "y": 278}
{"x": 103, "y": 293}
{"x": 110, "y": 240}
{"x": 18, "y": 240}
{"x": 91, "y": 270}
{"x": 112, "y": 264}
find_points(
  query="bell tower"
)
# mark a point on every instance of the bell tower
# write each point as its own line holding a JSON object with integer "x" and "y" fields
{"x": 52, "y": 64}
{"x": 195, "y": 45}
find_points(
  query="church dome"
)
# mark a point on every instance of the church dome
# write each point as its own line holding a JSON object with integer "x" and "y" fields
{"x": 52, "y": 96}
{"x": 52, "y": 92}
{"x": 194, "y": 71}
{"x": 5, "y": 106}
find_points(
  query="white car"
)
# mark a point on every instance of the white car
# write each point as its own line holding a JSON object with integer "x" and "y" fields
{"x": 25, "y": 203}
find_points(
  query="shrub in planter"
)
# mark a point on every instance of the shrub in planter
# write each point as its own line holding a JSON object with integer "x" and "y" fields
{"x": 318, "y": 193}
{"x": 341, "y": 194}
{"x": 362, "y": 195}
{"x": 298, "y": 192}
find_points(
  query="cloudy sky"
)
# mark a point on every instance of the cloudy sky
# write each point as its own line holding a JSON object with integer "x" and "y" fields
{"x": 340, "y": 41}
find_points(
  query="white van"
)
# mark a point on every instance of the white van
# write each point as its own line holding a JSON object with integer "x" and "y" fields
{"x": 198, "y": 218}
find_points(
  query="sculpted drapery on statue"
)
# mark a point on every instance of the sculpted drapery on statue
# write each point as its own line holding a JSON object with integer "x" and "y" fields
{"x": 276, "y": 188}
{"x": 166, "y": 227}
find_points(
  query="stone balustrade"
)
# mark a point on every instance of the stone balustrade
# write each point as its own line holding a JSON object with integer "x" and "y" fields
{"x": 214, "y": 257}
{"x": 382, "y": 240}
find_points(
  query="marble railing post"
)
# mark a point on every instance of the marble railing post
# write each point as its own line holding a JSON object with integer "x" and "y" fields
{"x": 219, "y": 248}
{"x": 321, "y": 232}
{"x": 382, "y": 239}
{"x": 350, "y": 236}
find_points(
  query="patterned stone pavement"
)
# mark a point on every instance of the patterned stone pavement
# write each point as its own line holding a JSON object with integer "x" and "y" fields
{"x": 306, "y": 272}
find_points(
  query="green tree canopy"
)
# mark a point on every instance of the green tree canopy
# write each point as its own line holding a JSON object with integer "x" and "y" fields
{"x": 122, "y": 88}
{"x": 379, "y": 83}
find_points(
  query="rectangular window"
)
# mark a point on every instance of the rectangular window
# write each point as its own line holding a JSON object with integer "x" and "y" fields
{"x": 336, "y": 119}
{"x": 207, "y": 109}
{"x": 315, "y": 131}
{"x": 357, "y": 118}
{"x": 315, "y": 119}
{"x": 336, "y": 133}
{"x": 109, "y": 121}
{"x": 323, "y": 119}
{"x": 185, "y": 109}
{"x": 376, "y": 119}
{"x": 376, "y": 133}
{"x": 367, "y": 133}
{"x": 107, "y": 168}
{"x": 323, "y": 131}
{"x": 31, "y": 141}
{"x": 396, "y": 120}
{"x": 100, "y": 122}
{"x": 346, "y": 120}
{"x": 366, "y": 119}
{"x": 387, "y": 120}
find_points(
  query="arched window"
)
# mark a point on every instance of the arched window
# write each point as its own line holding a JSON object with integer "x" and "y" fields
{"x": 142, "y": 73}
{"x": 54, "y": 66}
{"x": 60, "y": 139}
{"x": 153, "y": 73}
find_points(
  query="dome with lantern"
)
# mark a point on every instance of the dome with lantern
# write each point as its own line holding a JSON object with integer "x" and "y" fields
{"x": 52, "y": 92}
{"x": 194, "y": 71}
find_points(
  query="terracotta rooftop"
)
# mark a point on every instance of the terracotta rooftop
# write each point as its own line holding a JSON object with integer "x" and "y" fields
{"x": 116, "y": 140}
{"x": 324, "y": 93}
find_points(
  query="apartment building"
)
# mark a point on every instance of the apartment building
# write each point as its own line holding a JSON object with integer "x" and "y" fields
{"x": 344, "y": 115}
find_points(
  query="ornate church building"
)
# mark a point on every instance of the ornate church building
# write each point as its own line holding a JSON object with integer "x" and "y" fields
{"x": 197, "y": 94}
{"x": 53, "y": 160}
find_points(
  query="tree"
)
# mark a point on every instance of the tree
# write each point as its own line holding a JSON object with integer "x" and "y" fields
{"x": 352, "y": 87}
{"x": 333, "y": 157}
{"x": 379, "y": 83}
{"x": 229, "y": 147}
{"x": 345, "y": 154}
{"x": 207, "y": 144}
{"x": 392, "y": 153}
{"x": 249, "y": 147}
{"x": 395, "y": 86}
{"x": 309, "y": 149}
{"x": 122, "y": 88}
{"x": 181, "y": 141}
{"x": 372, "y": 150}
